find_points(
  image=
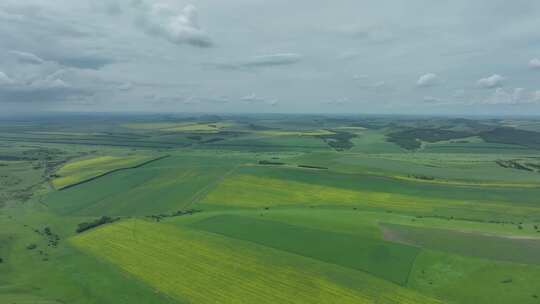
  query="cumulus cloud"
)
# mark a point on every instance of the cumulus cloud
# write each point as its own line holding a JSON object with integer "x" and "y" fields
{"x": 273, "y": 102}
{"x": 5, "y": 79}
{"x": 29, "y": 58}
{"x": 43, "y": 89}
{"x": 536, "y": 96}
{"x": 360, "y": 77}
{"x": 177, "y": 26}
{"x": 269, "y": 60}
{"x": 252, "y": 98}
{"x": 493, "y": 81}
{"x": 534, "y": 63}
{"x": 428, "y": 80}
{"x": 516, "y": 96}
{"x": 125, "y": 86}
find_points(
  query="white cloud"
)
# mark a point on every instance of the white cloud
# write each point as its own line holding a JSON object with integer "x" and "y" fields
{"x": 534, "y": 63}
{"x": 273, "y": 102}
{"x": 428, "y": 80}
{"x": 516, "y": 96}
{"x": 251, "y": 98}
{"x": 360, "y": 77}
{"x": 52, "y": 81}
{"x": 5, "y": 80}
{"x": 493, "y": 81}
{"x": 42, "y": 91}
{"x": 536, "y": 96}
{"x": 125, "y": 86}
{"x": 29, "y": 58}
{"x": 379, "y": 84}
{"x": 179, "y": 27}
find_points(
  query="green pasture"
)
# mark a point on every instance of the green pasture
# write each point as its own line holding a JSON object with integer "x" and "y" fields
{"x": 459, "y": 279}
{"x": 518, "y": 249}
{"x": 166, "y": 185}
{"x": 383, "y": 259}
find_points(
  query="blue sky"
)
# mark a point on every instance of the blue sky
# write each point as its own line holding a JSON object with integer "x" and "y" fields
{"x": 345, "y": 56}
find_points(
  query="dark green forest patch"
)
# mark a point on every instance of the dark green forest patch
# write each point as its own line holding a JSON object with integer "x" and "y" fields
{"x": 412, "y": 139}
{"x": 505, "y": 135}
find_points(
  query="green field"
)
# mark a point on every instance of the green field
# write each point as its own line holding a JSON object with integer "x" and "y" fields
{"x": 269, "y": 209}
{"x": 81, "y": 170}
{"x": 235, "y": 270}
{"x": 386, "y": 260}
{"x": 524, "y": 250}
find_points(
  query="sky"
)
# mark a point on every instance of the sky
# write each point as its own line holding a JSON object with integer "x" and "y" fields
{"x": 477, "y": 57}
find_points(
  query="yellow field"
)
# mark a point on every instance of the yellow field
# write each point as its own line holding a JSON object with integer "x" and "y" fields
{"x": 198, "y": 267}
{"x": 80, "y": 170}
{"x": 253, "y": 191}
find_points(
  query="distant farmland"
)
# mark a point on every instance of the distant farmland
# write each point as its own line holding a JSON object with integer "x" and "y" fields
{"x": 269, "y": 209}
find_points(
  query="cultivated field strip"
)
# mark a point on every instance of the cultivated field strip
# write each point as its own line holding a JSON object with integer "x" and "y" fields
{"x": 176, "y": 182}
{"x": 524, "y": 250}
{"x": 197, "y": 267}
{"x": 81, "y": 171}
{"x": 386, "y": 260}
{"x": 247, "y": 190}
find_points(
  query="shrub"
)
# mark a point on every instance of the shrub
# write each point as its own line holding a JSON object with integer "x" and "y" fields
{"x": 101, "y": 221}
